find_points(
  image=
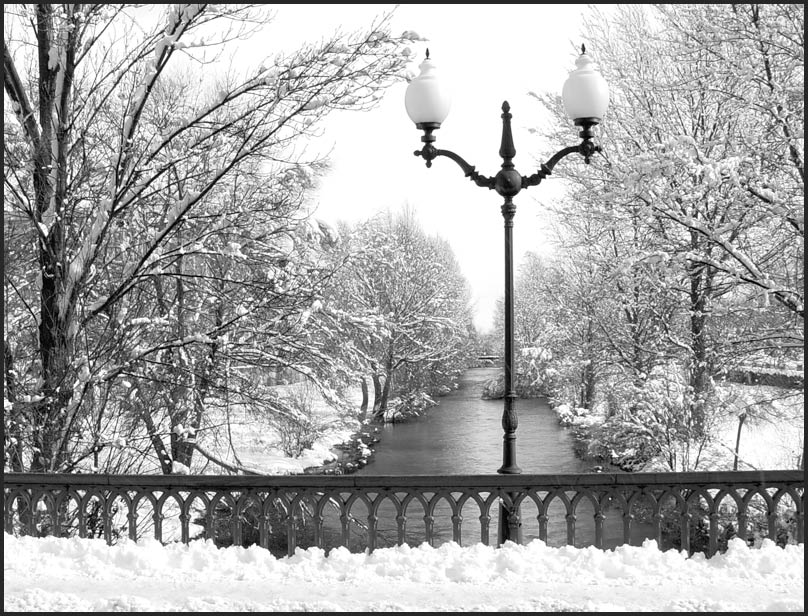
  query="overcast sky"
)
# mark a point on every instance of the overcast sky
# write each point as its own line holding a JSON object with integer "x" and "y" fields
{"x": 487, "y": 53}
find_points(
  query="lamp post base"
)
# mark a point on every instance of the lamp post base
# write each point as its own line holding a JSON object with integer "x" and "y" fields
{"x": 509, "y": 530}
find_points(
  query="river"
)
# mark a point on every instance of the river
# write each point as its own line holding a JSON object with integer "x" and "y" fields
{"x": 463, "y": 435}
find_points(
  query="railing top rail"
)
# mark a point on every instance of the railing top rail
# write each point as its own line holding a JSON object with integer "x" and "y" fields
{"x": 407, "y": 481}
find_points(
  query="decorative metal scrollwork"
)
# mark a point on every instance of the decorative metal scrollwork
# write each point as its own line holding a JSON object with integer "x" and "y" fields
{"x": 687, "y": 511}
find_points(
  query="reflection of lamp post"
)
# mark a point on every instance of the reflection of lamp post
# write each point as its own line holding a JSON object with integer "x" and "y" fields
{"x": 586, "y": 97}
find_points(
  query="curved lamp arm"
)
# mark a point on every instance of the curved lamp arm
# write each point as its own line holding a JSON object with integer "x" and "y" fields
{"x": 510, "y": 181}
{"x": 586, "y": 149}
{"x": 429, "y": 153}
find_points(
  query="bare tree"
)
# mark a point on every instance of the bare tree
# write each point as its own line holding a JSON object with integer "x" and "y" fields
{"x": 699, "y": 195}
{"x": 114, "y": 177}
{"x": 406, "y": 294}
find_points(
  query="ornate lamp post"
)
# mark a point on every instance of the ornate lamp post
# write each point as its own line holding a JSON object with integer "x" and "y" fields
{"x": 586, "y": 97}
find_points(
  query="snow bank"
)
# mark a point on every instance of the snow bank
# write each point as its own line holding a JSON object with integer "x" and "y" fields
{"x": 52, "y": 574}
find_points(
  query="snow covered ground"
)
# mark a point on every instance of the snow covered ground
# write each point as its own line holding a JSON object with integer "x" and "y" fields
{"x": 772, "y": 433}
{"x": 85, "y": 575}
{"x": 255, "y": 440}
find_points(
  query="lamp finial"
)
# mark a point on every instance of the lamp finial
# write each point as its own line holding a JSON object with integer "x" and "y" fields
{"x": 427, "y": 53}
{"x": 583, "y": 49}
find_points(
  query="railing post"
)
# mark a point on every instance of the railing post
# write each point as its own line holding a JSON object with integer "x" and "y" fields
{"x": 542, "y": 518}
{"x": 657, "y": 518}
{"x": 157, "y": 518}
{"x": 235, "y": 526}
{"x": 570, "y": 517}
{"x": 457, "y": 521}
{"x": 132, "y": 520}
{"x": 428, "y": 528}
{"x": 713, "y": 548}
{"x": 684, "y": 521}
{"x": 263, "y": 529}
{"x": 743, "y": 524}
{"x": 401, "y": 525}
{"x": 343, "y": 518}
{"x": 485, "y": 525}
{"x": 628, "y": 519}
{"x": 599, "y": 528}
{"x": 772, "y": 524}
{"x": 372, "y": 532}
{"x": 318, "y": 530}
{"x": 291, "y": 537}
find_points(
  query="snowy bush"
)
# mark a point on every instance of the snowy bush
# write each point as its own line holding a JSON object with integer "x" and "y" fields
{"x": 296, "y": 423}
{"x": 408, "y": 406}
{"x": 575, "y": 416}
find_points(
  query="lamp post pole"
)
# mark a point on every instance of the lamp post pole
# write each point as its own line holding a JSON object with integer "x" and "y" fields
{"x": 586, "y": 98}
{"x": 508, "y": 183}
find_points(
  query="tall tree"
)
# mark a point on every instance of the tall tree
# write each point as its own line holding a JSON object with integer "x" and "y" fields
{"x": 118, "y": 177}
{"x": 701, "y": 187}
{"x": 406, "y": 291}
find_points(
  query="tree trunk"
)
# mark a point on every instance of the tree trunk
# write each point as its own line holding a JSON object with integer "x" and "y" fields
{"x": 588, "y": 372}
{"x": 379, "y": 414}
{"x": 49, "y": 414}
{"x": 57, "y": 293}
{"x": 377, "y": 392}
{"x": 187, "y": 446}
{"x": 13, "y": 452}
{"x": 151, "y": 429}
{"x": 588, "y": 386}
{"x": 741, "y": 419}
{"x": 700, "y": 360}
{"x": 388, "y": 381}
{"x": 179, "y": 396}
{"x": 363, "y": 408}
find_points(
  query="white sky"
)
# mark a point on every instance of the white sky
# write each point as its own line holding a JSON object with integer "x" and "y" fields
{"x": 84, "y": 575}
{"x": 487, "y": 54}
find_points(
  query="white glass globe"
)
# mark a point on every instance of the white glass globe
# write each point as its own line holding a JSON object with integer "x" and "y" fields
{"x": 585, "y": 92}
{"x": 426, "y": 100}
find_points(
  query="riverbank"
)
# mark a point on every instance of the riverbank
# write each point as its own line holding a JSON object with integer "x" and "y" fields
{"x": 480, "y": 386}
{"x": 358, "y": 449}
{"x": 480, "y": 392}
{"x": 352, "y": 454}
{"x": 762, "y": 425}
{"x": 759, "y": 446}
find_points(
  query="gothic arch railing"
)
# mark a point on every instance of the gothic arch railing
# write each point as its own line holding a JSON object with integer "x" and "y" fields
{"x": 686, "y": 511}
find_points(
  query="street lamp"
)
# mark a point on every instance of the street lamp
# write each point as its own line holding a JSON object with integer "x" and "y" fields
{"x": 586, "y": 97}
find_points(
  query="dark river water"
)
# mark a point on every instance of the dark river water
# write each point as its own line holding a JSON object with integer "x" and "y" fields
{"x": 463, "y": 435}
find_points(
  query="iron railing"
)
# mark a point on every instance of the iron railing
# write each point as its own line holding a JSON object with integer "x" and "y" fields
{"x": 687, "y": 511}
